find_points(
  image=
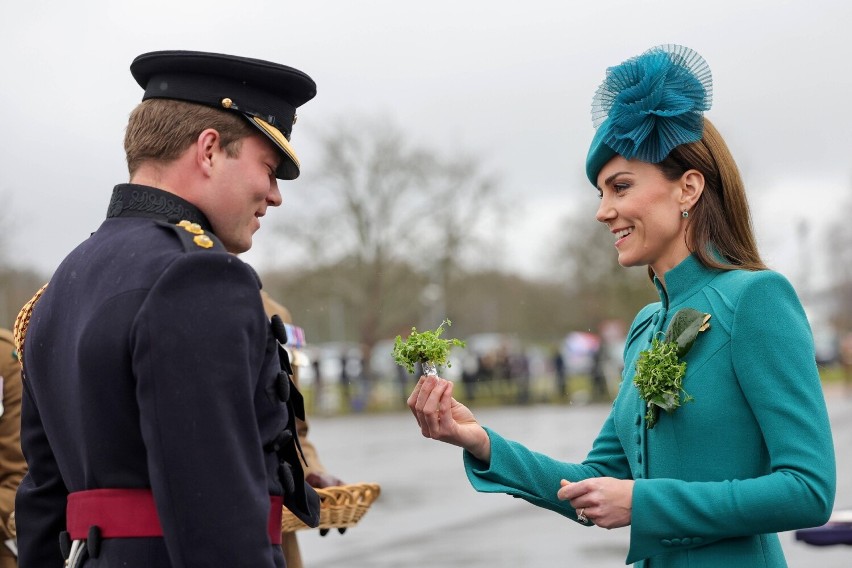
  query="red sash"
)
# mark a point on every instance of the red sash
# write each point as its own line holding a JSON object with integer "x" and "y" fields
{"x": 131, "y": 513}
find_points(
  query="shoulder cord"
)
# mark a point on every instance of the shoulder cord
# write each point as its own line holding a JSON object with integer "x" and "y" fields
{"x": 22, "y": 322}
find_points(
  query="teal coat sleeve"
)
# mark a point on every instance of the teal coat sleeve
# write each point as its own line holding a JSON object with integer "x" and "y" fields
{"x": 518, "y": 471}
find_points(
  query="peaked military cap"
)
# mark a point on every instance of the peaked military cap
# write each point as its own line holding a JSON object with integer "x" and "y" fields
{"x": 265, "y": 93}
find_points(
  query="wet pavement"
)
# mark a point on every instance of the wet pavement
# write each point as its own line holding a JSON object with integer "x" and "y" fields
{"x": 429, "y": 516}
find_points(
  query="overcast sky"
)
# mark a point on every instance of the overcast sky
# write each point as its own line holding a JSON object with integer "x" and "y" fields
{"x": 510, "y": 82}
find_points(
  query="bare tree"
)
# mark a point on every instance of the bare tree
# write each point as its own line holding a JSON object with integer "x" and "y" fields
{"x": 17, "y": 284}
{"x": 600, "y": 288}
{"x": 839, "y": 243}
{"x": 7, "y": 222}
{"x": 5, "y": 271}
{"x": 380, "y": 204}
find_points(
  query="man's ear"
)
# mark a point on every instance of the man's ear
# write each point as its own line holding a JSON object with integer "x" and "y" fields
{"x": 691, "y": 188}
{"x": 207, "y": 149}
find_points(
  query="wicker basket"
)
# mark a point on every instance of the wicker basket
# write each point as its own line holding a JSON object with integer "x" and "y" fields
{"x": 341, "y": 506}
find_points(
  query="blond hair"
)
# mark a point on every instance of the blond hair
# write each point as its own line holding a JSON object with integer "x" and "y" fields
{"x": 162, "y": 129}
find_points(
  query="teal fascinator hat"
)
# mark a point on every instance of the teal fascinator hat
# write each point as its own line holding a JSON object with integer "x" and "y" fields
{"x": 648, "y": 105}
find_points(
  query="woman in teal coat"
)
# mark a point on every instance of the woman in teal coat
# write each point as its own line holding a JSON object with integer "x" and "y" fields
{"x": 719, "y": 436}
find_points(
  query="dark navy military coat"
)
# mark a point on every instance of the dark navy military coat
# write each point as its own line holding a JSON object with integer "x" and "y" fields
{"x": 149, "y": 363}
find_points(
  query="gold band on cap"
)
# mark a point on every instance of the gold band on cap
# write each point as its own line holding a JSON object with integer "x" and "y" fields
{"x": 277, "y": 137}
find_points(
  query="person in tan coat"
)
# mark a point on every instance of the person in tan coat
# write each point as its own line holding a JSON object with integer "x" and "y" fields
{"x": 12, "y": 464}
{"x": 315, "y": 473}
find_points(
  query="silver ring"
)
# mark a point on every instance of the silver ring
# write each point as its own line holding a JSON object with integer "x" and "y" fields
{"x": 581, "y": 516}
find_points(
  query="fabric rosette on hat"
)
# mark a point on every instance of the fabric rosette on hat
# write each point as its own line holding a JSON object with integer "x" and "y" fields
{"x": 648, "y": 105}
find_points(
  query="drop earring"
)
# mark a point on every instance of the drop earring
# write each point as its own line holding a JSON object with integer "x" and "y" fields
{"x": 684, "y": 214}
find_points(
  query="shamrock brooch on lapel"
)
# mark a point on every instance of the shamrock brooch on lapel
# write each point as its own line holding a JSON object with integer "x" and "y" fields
{"x": 659, "y": 370}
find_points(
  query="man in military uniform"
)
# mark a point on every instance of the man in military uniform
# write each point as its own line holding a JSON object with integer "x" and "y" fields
{"x": 158, "y": 418}
{"x": 12, "y": 464}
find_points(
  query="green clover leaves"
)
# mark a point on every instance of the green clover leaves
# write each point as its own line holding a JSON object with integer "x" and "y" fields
{"x": 659, "y": 370}
{"x": 424, "y": 347}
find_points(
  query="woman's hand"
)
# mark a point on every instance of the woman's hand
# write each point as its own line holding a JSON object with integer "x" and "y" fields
{"x": 441, "y": 417}
{"x": 606, "y": 501}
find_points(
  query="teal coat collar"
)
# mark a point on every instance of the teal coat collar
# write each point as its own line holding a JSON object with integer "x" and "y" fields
{"x": 683, "y": 281}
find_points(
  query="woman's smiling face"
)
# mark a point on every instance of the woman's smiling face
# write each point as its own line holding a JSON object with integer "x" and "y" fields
{"x": 643, "y": 210}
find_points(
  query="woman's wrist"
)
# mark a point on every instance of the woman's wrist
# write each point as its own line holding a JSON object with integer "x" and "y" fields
{"x": 481, "y": 446}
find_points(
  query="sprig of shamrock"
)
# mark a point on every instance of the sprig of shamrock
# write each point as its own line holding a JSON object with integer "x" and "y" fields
{"x": 424, "y": 347}
{"x": 659, "y": 371}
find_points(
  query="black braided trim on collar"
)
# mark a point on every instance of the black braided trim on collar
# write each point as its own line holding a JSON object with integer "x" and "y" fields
{"x": 132, "y": 200}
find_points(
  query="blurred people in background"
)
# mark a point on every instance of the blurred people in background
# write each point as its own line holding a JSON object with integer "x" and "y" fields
{"x": 600, "y": 390}
{"x": 559, "y": 373}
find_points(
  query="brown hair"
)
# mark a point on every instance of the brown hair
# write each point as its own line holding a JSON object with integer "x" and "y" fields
{"x": 720, "y": 221}
{"x": 162, "y": 129}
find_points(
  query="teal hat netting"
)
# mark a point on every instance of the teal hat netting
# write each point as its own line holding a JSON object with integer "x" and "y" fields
{"x": 648, "y": 105}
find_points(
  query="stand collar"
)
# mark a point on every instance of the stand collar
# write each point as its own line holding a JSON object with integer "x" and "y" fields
{"x": 684, "y": 280}
{"x": 133, "y": 200}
